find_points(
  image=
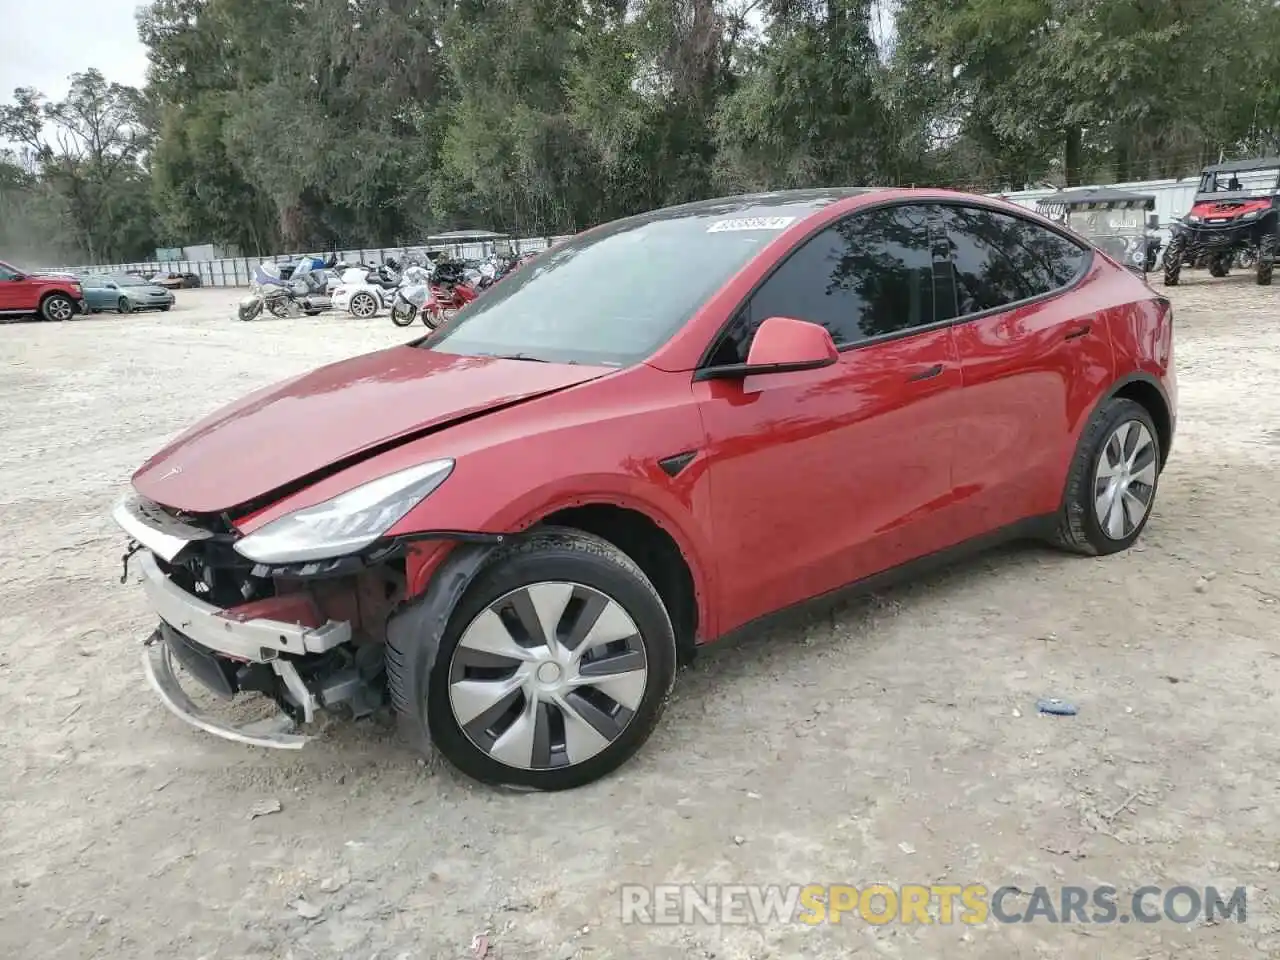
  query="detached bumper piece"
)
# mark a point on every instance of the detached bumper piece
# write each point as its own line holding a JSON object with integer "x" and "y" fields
{"x": 277, "y": 731}
{"x": 240, "y": 650}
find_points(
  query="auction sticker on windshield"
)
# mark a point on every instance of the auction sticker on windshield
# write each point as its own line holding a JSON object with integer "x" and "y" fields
{"x": 751, "y": 223}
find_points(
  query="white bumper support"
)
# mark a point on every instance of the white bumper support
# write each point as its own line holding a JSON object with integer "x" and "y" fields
{"x": 256, "y": 640}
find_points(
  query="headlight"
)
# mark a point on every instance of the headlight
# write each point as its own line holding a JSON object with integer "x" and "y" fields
{"x": 1193, "y": 219}
{"x": 1251, "y": 214}
{"x": 347, "y": 523}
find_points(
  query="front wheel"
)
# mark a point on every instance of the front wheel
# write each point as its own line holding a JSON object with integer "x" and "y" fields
{"x": 553, "y": 670}
{"x": 1173, "y": 255}
{"x": 1266, "y": 260}
{"x": 124, "y": 306}
{"x": 403, "y": 313}
{"x": 57, "y": 308}
{"x": 1112, "y": 484}
{"x": 250, "y": 311}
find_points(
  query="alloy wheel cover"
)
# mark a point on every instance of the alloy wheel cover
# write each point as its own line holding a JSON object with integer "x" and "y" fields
{"x": 547, "y": 676}
{"x": 1124, "y": 480}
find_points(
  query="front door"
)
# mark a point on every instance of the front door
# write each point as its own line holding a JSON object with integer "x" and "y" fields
{"x": 820, "y": 478}
{"x": 12, "y": 290}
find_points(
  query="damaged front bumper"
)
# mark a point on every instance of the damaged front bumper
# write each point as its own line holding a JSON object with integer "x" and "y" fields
{"x": 208, "y": 641}
{"x": 279, "y": 647}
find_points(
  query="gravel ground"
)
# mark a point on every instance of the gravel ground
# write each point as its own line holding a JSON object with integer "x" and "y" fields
{"x": 894, "y": 739}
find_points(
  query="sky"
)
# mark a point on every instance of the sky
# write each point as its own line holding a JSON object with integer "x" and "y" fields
{"x": 43, "y": 42}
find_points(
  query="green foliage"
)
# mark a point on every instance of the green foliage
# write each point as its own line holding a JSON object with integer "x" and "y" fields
{"x": 321, "y": 123}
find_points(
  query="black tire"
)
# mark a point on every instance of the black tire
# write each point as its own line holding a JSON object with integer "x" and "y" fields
{"x": 1078, "y": 528}
{"x": 250, "y": 312}
{"x": 124, "y": 306}
{"x": 279, "y": 309}
{"x": 363, "y": 298}
{"x": 165, "y": 309}
{"x": 1266, "y": 260}
{"x": 552, "y": 554}
{"x": 1220, "y": 265}
{"x": 57, "y": 308}
{"x": 403, "y": 314}
{"x": 313, "y": 313}
{"x": 1173, "y": 254}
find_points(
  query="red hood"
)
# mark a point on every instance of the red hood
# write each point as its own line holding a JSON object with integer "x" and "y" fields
{"x": 1229, "y": 208}
{"x": 294, "y": 429}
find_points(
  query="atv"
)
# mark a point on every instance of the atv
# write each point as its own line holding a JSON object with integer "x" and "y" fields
{"x": 1234, "y": 218}
{"x": 1114, "y": 221}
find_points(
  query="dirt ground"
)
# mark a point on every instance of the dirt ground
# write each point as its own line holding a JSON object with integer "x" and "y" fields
{"x": 894, "y": 740}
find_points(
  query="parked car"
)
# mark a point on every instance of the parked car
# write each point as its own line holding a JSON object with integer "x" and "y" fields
{"x": 177, "y": 281}
{"x": 680, "y": 423}
{"x": 48, "y": 296}
{"x": 125, "y": 294}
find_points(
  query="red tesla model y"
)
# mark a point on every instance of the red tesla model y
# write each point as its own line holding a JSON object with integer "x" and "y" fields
{"x": 514, "y": 529}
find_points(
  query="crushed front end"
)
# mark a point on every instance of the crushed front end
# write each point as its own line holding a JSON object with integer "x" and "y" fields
{"x": 308, "y": 635}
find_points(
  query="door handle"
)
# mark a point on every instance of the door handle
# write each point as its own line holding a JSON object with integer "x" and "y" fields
{"x": 926, "y": 374}
{"x": 1078, "y": 332}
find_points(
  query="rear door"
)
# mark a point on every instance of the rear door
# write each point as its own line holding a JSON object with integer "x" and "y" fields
{"x": 823, "y": 477}
{"x": 1031, "y": 361}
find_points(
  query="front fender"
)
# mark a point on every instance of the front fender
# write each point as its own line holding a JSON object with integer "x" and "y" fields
{"x": 662, "y": 507}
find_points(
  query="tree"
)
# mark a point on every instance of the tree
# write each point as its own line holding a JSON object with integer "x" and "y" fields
{"x": 88, "y": 149}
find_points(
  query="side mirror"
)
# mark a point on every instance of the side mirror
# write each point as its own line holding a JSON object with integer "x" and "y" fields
{"x": 1153, "y": 221}
{"x": 781, "y": 345}
{"x": 110, "y": 285}
{"x": 18, "y": 276}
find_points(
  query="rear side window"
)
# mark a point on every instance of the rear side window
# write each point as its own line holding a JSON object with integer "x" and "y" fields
{"x": 868, "y": 275}
{"x": 999, "y": 259}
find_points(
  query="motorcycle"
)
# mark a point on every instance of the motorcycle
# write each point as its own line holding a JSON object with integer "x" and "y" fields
{"x": 365, "y": 290}
{"x": 414, "y": 296}
{"x": 452, "y": 288}
{"x": 302, "y": 291}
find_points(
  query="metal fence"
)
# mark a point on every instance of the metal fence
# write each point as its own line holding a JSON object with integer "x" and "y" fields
{"x": 1173, "y": 198}
{"x": 238, "y": 271}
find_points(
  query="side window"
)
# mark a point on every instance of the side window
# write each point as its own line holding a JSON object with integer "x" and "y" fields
{"x": 867, "y": 275}
{"x": 6, "y": 273}
{"x": 999, "y": 259}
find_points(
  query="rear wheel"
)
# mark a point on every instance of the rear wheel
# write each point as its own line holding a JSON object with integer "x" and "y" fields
{"x": 279, "y": 309}
{"x": 554, "y": 668}
{"x": 1112, "y": 484}
{"x": 1173, "y": 255}
{"x": 1220, "y": 265}
{"x": 1266, "y": 260}
{"x": 363, "y": 305}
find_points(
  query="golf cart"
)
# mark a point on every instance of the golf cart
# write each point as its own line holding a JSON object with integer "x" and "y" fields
{"x": 1114, "y": 221}
{"x": 1233, "y": 218}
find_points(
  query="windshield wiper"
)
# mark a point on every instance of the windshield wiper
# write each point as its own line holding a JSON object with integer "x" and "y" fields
{"x": 521, "y": 356}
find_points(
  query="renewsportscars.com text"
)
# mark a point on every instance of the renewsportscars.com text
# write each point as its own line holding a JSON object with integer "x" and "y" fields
{"x": 924, "y": 904}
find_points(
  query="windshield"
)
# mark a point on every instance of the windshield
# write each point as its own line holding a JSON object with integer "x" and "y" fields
{"x": 1108, "y": 223}
{"x": 1256, "y": 183}
{"x": 614, "y": 296}
{"x": 130, "y": 282}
